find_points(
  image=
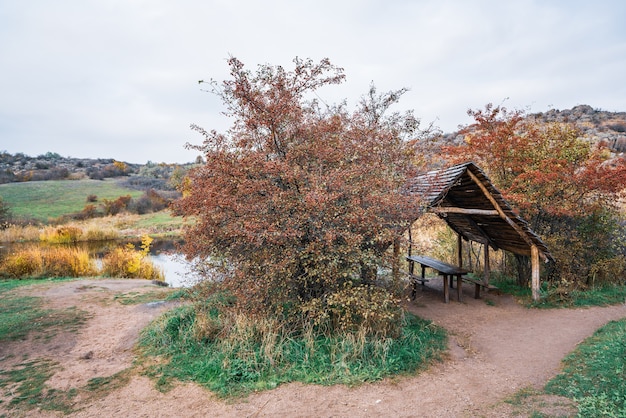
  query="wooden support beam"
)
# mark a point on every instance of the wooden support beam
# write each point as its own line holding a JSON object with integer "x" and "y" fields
{"x": 534, "y": 260}
{"x": 465, "y": 211}
{"x": 503, "y": 215}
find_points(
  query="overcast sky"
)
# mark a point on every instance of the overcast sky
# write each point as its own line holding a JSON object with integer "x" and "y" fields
{"x": 119, "y": 78}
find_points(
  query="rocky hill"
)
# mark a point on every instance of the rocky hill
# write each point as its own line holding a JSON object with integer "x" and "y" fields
{"x": 598, "y": 126}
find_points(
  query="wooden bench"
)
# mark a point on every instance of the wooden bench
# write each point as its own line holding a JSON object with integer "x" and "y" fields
{"x": 477, "y": 285}
{"x": 447, "y": 271}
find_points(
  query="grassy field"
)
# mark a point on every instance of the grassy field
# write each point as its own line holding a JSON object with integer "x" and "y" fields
{"x": 43, "y": 200}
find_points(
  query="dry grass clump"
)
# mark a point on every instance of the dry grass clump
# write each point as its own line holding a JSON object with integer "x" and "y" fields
{"x": 95, "y": 233}
{"x": 369, "y": 310}
{"x": 65, "y": 234}
{"x": 68, "y": 262}
{"x": 48, "y": 262}
{"x": 19, "y": 233}
{"x": 25, "y": 263}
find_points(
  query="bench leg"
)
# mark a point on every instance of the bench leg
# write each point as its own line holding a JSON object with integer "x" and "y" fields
{"x": 458, "y": 288}
{"x": 477, "y": 291}
{"x": 446, "y": 291}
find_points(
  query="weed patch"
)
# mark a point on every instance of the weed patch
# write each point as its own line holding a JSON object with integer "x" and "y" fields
{"x": 25, "y": 386}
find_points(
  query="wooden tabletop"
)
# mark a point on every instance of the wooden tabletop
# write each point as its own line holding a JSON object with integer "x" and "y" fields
{"x": 440, "y": 266}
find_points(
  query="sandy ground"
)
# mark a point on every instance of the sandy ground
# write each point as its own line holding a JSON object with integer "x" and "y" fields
{"x": 496, "y": 349}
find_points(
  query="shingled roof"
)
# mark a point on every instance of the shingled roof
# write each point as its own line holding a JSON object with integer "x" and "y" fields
{"x": 465, "y": 198}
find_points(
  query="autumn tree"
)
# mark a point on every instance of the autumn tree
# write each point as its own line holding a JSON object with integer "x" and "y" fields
{"x": 563, "y": 185}
{"x": 300, "y": 200}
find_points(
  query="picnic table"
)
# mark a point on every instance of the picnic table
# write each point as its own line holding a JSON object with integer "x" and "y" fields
{"x": 447, "y": 271}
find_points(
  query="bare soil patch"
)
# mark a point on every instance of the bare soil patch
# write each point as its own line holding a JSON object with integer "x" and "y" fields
{"x": 500, "y": 356}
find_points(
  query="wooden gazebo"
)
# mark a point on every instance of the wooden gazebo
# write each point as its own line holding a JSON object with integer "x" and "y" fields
{"x": 464, "y": 197}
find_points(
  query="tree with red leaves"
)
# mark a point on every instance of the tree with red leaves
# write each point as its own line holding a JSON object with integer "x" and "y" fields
{"x": 567, "y": 188}
{"x": 297, "y": 199}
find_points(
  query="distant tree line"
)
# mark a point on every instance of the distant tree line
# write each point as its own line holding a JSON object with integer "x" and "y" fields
{"x": 52, "y": 166}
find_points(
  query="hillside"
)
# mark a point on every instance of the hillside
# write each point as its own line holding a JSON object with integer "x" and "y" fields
{"x": 39, "y": 200}
{"x": 598, "y": 126}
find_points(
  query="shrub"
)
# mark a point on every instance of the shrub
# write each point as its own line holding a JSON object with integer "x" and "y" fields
{"x": 92, "y": 198}
{"x": 130, "y": 263}
{"x": 89, "y": 211}
{"x": 362, "y": 309}
{"x": 5, "y": 214}
{"x": 113, "y": 207}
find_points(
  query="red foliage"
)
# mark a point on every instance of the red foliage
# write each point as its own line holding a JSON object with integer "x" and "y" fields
{"x": 564, "y": 186}
{"x": 299, "y": 199}
{"x": 541, "y": 168}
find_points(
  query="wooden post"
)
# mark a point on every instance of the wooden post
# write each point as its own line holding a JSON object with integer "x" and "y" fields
{"x": 459, "y": 250}
{"x": 487, "y": 267}
{"x": 534, "y": 260}
{"x": 446, "y": 291}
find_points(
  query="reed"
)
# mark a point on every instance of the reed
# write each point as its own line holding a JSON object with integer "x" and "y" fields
{"x": 68, "y": 262}
{"x": 36, "y": 262}
{"x": 23, "y": 264}
{"x": 64, "y": 234}
{"x": 19, "y": 233}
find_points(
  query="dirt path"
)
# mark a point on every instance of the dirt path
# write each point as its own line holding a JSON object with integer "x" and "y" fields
{"x": 496, "y": 349}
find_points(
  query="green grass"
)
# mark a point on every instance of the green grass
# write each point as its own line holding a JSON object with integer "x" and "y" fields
{"x": 135, "y": 298}
{"x": 552, "y": 298}
{"x": 21, "y": 315}
{"x": 594, "y": 375}
{"x": 43, "y": 200}
{"x": 237, "y": 366}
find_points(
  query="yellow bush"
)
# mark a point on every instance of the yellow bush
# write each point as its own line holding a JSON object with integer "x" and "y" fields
{"x": 130, "y": 263}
